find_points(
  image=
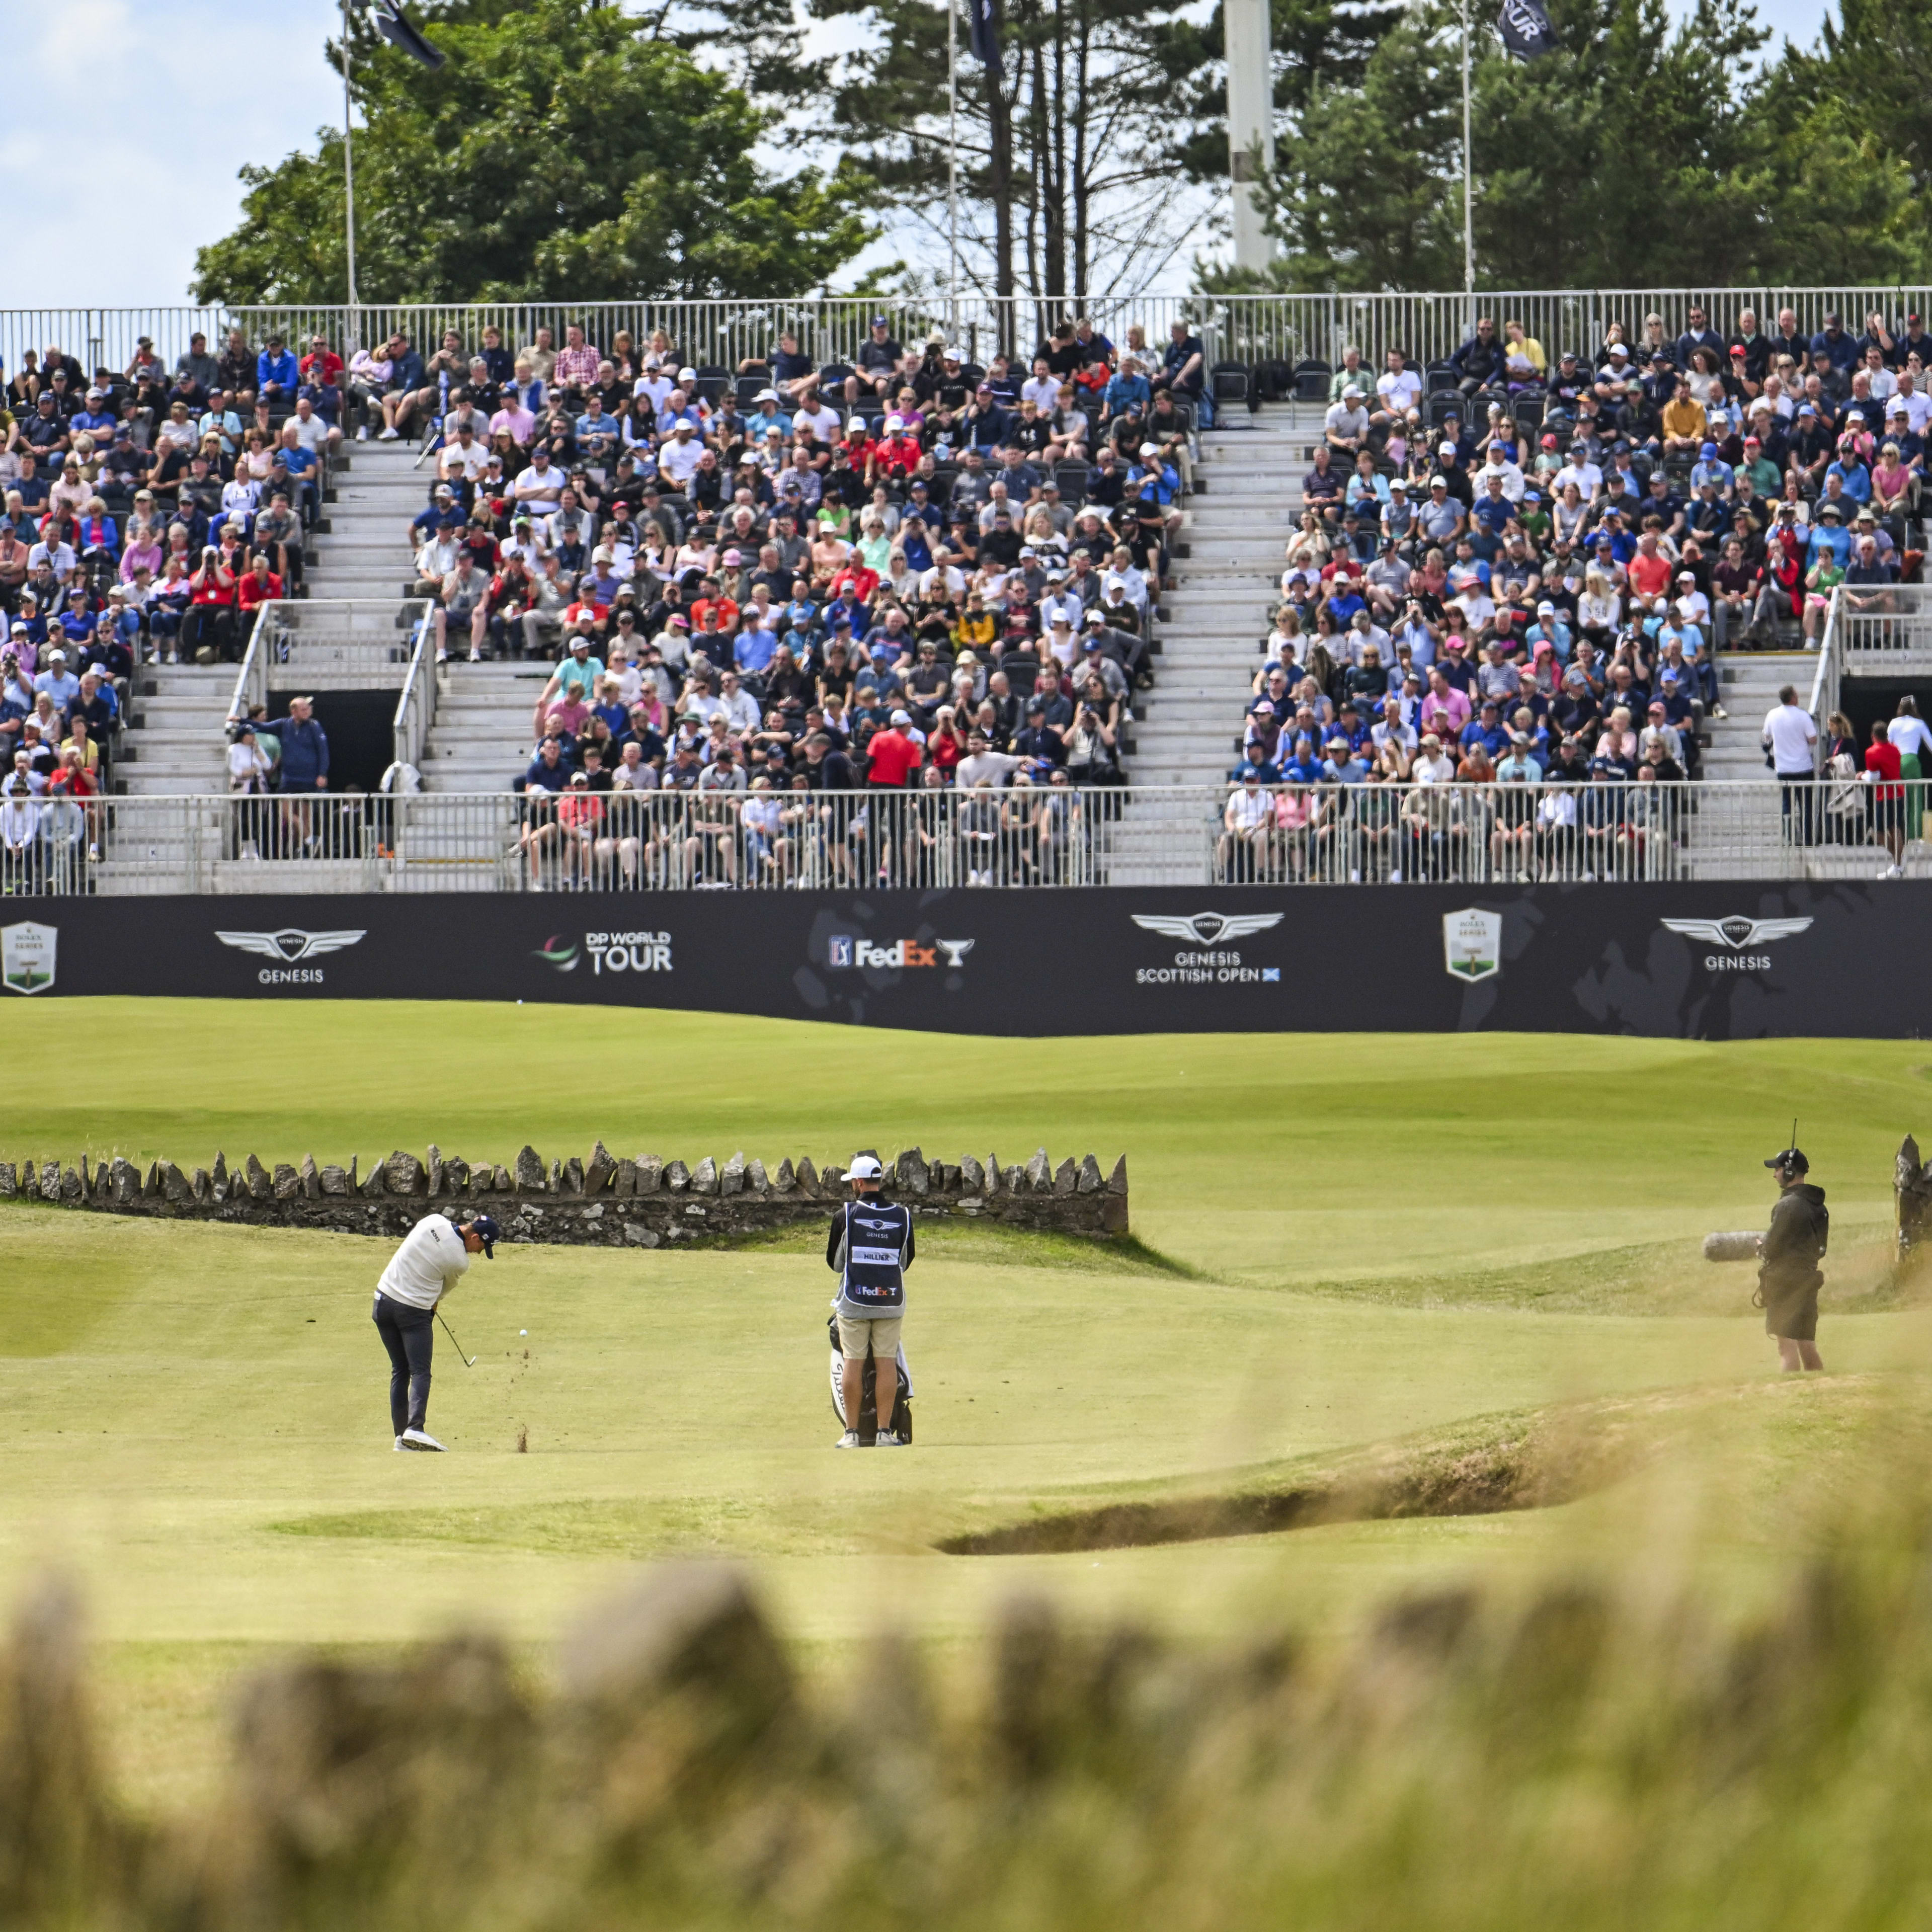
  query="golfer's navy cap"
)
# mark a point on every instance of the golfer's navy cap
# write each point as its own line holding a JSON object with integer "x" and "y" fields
{"x": 487, "y": 1229}
{"x": 1792, "y": 1158}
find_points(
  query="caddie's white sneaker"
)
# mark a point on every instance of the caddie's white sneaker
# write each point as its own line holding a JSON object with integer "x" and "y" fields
{"x": 400, "y": 1443}
{"x": 887, "y": 1439}
{"x": 850, "y": 1440}
{"x": 420, "y": 1439}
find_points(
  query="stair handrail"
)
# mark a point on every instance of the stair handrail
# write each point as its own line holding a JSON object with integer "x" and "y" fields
{"x": 266, "y": 640}
{"x": 1825, "y": 680}
{"x": 415, "y": 710}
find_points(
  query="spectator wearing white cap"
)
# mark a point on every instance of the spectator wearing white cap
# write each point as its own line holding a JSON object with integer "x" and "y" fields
{"x": 1345, "y": 427}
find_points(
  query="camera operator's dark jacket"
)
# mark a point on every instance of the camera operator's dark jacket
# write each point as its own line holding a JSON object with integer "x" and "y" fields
{"x": 1794, "y": 1244}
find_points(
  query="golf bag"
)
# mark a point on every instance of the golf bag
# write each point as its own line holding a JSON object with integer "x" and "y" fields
{"x": 867, "y": 1425}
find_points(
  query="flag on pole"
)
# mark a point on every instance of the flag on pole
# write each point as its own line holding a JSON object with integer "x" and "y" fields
{"x": 986, "y": 32}
{"x": 395, "y": 27}
{"x": 1525, "y": 28}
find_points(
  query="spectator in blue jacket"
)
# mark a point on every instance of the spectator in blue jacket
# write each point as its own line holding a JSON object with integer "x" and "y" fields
{"x": 1127, "y": 389}
{"x": 276, "y": 375}
{"x": 304, "y": 766}
{"x": 1832, "y": 340}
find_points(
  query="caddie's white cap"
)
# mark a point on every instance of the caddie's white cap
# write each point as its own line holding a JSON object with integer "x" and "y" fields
{"x": 864, "y": 1168}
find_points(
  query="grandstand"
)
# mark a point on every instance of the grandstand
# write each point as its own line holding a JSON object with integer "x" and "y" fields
{"x": 1270, "y": 590}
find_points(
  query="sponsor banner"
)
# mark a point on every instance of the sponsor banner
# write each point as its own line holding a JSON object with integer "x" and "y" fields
{"x": 1721, "y": 961}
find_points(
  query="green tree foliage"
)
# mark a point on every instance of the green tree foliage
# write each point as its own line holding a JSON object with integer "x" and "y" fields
{"x": 1647, "y": 150}
{"x": 563, "y": 147}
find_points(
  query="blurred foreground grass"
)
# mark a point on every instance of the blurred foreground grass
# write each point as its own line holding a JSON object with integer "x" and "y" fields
{"x": 1579, "y": 1744}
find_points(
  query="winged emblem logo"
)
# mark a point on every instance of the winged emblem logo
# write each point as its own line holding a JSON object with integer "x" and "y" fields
{"x": 291, "y": 944}
{"x": 1206, "y": 929}
{"x": 1737, "y": 933}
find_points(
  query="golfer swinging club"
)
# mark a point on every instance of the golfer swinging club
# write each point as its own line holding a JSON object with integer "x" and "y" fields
{"x": 870, "y": 1246}
{"x": 1788, "y": 1277}
{"x": 433, "y": 1257}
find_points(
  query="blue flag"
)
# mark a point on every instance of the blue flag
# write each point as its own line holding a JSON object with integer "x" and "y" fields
{"x": 1525, "y": 28}
{"x": 985, "y": 31}
{"x": 394, "y": 26}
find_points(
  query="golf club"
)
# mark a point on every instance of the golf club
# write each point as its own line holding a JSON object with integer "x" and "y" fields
{"x": 468, "y": 1361}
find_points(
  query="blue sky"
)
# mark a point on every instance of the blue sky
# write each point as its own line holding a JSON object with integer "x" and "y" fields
{"x": 154, "y": 161}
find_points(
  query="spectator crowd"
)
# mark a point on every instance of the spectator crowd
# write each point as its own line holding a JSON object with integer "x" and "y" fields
{"x": 905, "y": 573}
{"x": 1514, "y": 572}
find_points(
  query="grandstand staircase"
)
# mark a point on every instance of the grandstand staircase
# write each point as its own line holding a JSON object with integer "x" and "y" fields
{"x": 377, "y": 490}
{"x": 1215, "y": 619}
{"x": 484, "y": 729}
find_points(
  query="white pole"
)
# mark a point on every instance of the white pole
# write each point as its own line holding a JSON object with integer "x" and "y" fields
{"x": 349, "y": 181}
{"x": 952, "y": 162}
{"x": 1248, "y": 28}
{"x": 1468, "y": 188}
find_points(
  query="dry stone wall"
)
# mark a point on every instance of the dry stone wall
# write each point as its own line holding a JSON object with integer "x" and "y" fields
{"x": 605, "y": 1201}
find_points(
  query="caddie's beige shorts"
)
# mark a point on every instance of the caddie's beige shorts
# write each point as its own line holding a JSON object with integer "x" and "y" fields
{"x": 884, "y": 1336}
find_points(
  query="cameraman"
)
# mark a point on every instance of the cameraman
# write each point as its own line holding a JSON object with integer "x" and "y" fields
{"x": 1788, "y": 1276}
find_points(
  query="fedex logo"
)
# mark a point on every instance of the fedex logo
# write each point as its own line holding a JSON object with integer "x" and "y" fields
{"x": 843, "y": 949}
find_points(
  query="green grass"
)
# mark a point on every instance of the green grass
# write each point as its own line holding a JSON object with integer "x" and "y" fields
{"x": 1339, "y": 1243}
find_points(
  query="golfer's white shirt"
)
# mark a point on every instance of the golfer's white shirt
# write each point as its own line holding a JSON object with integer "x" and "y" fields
{"x": 428, "y": 1264}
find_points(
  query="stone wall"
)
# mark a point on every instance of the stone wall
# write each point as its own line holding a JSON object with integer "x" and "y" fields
{"x": 602, "y": 1200}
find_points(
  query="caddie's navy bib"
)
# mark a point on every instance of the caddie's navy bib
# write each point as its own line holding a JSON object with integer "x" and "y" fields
{"x": 873, "y": 1279}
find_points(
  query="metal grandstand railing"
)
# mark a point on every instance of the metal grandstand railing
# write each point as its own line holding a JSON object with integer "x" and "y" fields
{"x": 1059, "y": 837}
{"x": 718, "y": 333}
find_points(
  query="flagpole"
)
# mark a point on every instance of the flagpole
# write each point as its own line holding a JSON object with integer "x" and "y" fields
{"x": 1468, "y": 189}
{"x": 952, "y": 162}
{"x": 349, "y": 185}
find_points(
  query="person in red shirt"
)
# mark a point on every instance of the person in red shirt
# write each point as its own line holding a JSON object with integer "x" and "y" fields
{"x": 896, "y": 453}
{"x": 860, "y": 575}
{"x": 321, "y": 357}
{"x": 1882, "y": 760}
{"x": 1650, "y": 569}
{"x": 258, "y": 585}
{"x": 893, "y": 756}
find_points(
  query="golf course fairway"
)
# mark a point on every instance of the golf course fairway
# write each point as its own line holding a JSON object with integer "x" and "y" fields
{"x": 1340, "y": 1243}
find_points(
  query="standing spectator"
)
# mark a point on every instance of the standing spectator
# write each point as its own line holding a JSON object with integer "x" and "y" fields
{"x": 1790, "y": 737}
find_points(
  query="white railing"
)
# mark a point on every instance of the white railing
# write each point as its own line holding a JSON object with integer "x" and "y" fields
{"x": 1881, "y": 631}
{"x": 720, "y": 334}
{"x": 350, "y": 644}
{"x": 1044, "y": 836}
{"x": 415, "y": 710}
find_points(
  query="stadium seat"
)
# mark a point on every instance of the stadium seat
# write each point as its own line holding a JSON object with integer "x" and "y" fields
{"x": 1072, "y": 479}
{"x": 1440, "y": 375}
{"x": 833, "y": 374}
{"x": 712, "y": 381}
{"x": 1231, "y": 387}
{"x": 1311, "y": 380}
{"x": 748, "y": 389}
{"x": 1528, "y": 411}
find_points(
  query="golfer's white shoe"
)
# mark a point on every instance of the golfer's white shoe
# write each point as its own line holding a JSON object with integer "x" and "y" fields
{"x": 887, "y": 1438}
{"x": 850, "y": 1440}
{"x": 420, "y": 1439}
{"x": 400, "y": 1443}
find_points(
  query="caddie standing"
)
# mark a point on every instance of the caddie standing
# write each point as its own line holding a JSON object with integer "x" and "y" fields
{"x": 1788, "y": 1277}
{"x": 434, "y": 1258}
{"x": 870, "y": 1247}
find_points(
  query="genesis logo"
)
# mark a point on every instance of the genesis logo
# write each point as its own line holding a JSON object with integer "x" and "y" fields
{"x": 1206, "y": 929}
{"x": 560, "y": 952}
{"x": 287, "y": 947}
{"x": 1211, "y": 963}
{"x": 1737, "y": 935}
